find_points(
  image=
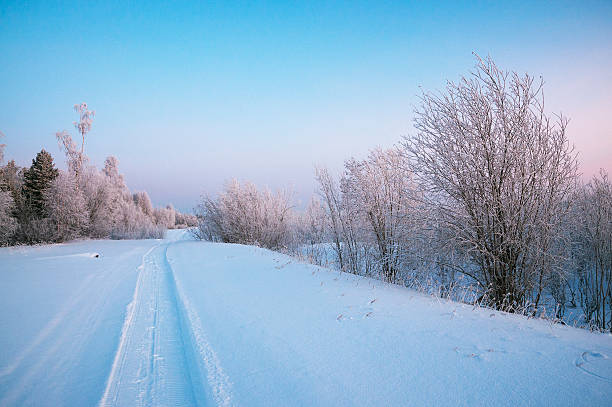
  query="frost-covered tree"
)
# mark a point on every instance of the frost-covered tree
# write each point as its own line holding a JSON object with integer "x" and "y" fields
{"x": 346, "y": 225}
{"x": 500, "y": 171}
{"x": 75, "y": 161}
{"x": 311, "y": 232}
{"x": 111, "y": 170}
{"x": 328, "y": 189}
{"x": 593, "y": 231}
{"x": 75, "y": 158}
{"x": 8, "y": 224}
{"x": 11, "y": 177}
{"x": 66, "y": 207}
{"x": 185, "y": 220}
{"x": 2, "y": 147}
{"x": 132, "y": 223}
{"x": 142, "y": 201}
{"x": 165, "y": 217}
{"x": 384, "y": 195}
{"x": 112, "y": 210}
{"x": 98, "y": 196}
{"x": 83, "y": 125}
{"x": 313, "y": 222}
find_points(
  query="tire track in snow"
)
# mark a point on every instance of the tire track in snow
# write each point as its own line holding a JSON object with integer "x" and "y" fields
{"x": 156, "y": 362}
{"x": 113, "y": 383}
{"x": 207, "y": 363}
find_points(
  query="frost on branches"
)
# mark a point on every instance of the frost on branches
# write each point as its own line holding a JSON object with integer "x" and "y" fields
{"x": 500, "y": 173}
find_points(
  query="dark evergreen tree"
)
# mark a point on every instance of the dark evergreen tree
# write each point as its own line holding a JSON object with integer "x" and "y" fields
{"x": 36, "y": 180}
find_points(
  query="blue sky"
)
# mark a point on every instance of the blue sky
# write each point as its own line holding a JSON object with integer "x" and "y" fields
{"x": 188, "y": 95}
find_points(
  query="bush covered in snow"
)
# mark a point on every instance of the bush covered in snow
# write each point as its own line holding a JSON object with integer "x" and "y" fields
{"x": 242, "y": 214}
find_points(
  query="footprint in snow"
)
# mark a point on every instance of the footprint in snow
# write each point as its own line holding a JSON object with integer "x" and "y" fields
{"x": 595, "y": 364}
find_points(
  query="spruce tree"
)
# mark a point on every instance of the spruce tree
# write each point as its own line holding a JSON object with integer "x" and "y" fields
{"x": 37, "y": 179}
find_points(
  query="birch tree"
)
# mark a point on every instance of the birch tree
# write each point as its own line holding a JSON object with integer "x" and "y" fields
{"x": 8, "y": 224}
{"x": 83, "y": 125}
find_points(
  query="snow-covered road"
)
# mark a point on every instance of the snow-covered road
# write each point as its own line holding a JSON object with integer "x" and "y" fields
{"x": 180, "y": 323}
{"x": 61, "y": 312}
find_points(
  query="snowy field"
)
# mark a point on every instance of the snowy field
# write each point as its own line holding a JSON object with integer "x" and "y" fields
{"x": 179, "y": 322}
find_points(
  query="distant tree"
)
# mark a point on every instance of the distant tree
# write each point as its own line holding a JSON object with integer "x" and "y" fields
{"x": 171, "y": 215}
{"x": 501, "y": 172}
{"x": 328, "y": 189}
{"x": 75, "y": 161}
{"x": 165, "y": 217}
{"x": 111, "y": 170}
{"x": 142, "y": 201}
{"x": 2, "y": 146}
{"x": 313, "y": 223}
{"x": 37, "y": 179}
{"x": 11, "y": 177}
{"x": 8, "y": 224}
{"x": 184, "y": 220}
{"x": 66, "y": 207}
{"x": 311, "y": 232}
{"x": 84, "y": 124}
{"x": 593, "y": 230}
{"x": 345, "y": 224}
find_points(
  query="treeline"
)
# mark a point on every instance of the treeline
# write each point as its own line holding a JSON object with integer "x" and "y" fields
{"x": 483, "y": 204}
{"x": 44, "y": 204}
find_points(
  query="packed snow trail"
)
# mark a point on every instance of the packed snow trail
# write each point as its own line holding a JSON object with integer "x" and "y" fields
{"x": 151, "y": 367}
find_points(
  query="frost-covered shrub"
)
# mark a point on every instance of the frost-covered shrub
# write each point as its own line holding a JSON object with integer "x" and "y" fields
{"x": 132, "y": 223}
{"x": 242, "y": 214}
{"x": 165, "y": 217}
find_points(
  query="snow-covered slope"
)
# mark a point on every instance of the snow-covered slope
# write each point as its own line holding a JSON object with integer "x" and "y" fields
{"x": 179, "y": 322}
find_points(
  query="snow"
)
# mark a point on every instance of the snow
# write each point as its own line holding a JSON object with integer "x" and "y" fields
{"x": 61, "y": 314}
{"x": 180, "y": 322}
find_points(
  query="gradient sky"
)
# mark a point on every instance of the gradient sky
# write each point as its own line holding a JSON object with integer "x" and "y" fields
{"x": 188, "y": 95}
